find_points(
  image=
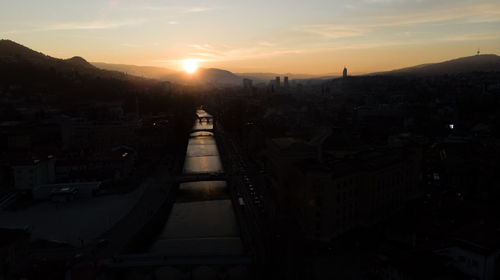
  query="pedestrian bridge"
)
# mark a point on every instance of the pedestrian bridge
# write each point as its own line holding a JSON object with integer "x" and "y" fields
{"x": 201, "y": 177}
{"x": 144, "y": 260}
{"x": 207, "y": 119}
{"x": 202, "y": 130}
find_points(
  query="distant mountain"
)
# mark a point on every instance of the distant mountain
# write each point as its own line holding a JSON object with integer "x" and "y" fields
{"x": 80, "y": 62}
{"x": 16, "y": 56}
{"x": 203, "y": 76}
{"x": 159, "y": 73}
{"x": 477, "y": 63}
{"x": 208, "y": 76}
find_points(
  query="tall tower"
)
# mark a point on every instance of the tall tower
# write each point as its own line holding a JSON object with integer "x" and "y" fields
{"x": 285, "y": 82}
{"x": 344, "y": 73}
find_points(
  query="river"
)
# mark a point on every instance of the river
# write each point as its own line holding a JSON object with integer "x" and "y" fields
{"x": 202, "y": 220}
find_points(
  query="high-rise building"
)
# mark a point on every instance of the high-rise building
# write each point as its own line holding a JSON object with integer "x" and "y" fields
{"x": 277, "y": 82}
{"x": 344, "y": 73}
{"x": 285, "y": 82}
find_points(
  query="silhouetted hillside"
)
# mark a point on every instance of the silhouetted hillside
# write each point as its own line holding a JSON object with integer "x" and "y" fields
{"x": 204, "y": 76}
{"x": 16, "y": 58}
{"x": 80, "y": 62}
{"x": 209, "y": 76}
{"x": 477, "y": 63}
{"x": 64, "y": 80}
{"x": 159, "y": 73}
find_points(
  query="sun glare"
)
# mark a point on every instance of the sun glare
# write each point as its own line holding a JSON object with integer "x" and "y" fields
{"x": 190, "y": 65}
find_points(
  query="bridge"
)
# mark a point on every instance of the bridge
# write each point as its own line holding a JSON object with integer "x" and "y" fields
{"x": 201, "y": 177}
{"x": 206, "y": 118}
{"x": 142, "y": 260}
{"x": 203, "y": 130}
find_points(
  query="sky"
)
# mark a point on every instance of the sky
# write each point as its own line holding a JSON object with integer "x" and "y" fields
{"x": 313, "y": 36}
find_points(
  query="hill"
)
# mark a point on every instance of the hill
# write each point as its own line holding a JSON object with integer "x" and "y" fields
{"x": 159, "y": 73}
{"x": 477, "y": 63}
{"x": 208, "y": 76}
{"x": 204, "y": 76}
{"x": 17, "y": 60}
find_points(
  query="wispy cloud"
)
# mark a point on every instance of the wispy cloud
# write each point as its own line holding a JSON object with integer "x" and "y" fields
{"x": 266, "y": 44}
{"x": 367, "y": 26}
{"x": 198, "y": 9}
{"x": 331, "y": 31}
{"x": 93, "y": 25}
{"x": 65, "y": 26}
{"x": 145, "y": 45}
{"x": 468, "y": 12}
{"x": 472, "y": 37}
{"x": 177, "y": 9}
{"x": 226, "y": 53}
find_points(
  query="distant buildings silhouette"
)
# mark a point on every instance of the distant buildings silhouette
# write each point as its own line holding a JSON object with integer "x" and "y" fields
{"x": 247, "y": 83}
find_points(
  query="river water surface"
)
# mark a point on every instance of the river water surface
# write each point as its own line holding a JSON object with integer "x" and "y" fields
{"x": 202, "y": 219}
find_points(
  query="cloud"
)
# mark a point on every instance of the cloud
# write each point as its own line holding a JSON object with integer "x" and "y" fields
{"x": 198, "y": 9}
{"x": 331, "y": 31}
{"x": 266, "y": 44}
{"x": 66, "y": 26}
{"x": 467, "y": 13}
{"x": 93, "y": 25}
{"x": 177, "y": 9}
{"x": 227, "y": 53}
{"x": 472, "y": 37}
{"x": 369, "y": 26}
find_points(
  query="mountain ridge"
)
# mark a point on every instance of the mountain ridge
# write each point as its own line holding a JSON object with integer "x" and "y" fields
{"x": 476, "y": 63}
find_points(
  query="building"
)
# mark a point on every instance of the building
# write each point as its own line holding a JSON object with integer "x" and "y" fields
{"x": 277, "y": 82}
{"x": 475, "y": 251}
{"x": 247, "y": 83}
{"x": 14, "y": 249}
{"x": 344, "y": 73}
{"x": 114, "y": 165}
{"x": 33, "y": 171}
{"x": 332, "y": 192}
{"x": 285, "y": 82}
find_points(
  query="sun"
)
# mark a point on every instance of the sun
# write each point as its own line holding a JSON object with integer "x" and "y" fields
{"x": 190, "y": 65}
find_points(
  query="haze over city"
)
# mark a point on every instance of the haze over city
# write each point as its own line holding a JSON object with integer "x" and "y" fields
{"x": 314, "y": 37}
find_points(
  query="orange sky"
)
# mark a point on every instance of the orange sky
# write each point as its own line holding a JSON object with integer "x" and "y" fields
{"x": 315, "y": 36}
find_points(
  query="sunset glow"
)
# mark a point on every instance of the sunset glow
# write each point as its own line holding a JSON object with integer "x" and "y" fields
{"x": 190, "y": 65}
{"x": 314, "y": 37}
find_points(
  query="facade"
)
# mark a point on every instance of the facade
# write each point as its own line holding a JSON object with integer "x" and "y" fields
{"x": 32, "y": 172}
{"x": 14, "y": 250}
{"x": 247, "y": 83}
{"x": 332, "y": 195}
{"x": 80, "y": 134}
{"x": 475, "y": 251}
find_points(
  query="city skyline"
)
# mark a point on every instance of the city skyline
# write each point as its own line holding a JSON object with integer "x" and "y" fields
{"x": 282, "y": 37}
